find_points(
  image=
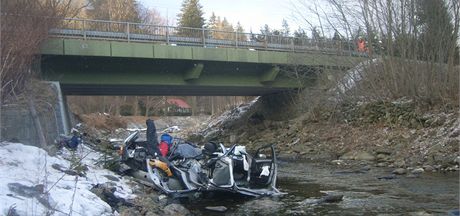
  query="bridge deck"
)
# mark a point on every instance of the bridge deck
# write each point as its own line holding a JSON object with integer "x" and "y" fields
{"x": 128, "y": 59}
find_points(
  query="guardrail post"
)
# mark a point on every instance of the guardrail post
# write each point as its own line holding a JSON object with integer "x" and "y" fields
{"x": 292, "y": 44}
{"x": 167, "y": 35}
{"x": 203, "y": 36}
{"x": 84, "y": 29}
{"x": 127, "y": 31}
{"x": 236, "y": 39}
{"x": 266, "y": 41}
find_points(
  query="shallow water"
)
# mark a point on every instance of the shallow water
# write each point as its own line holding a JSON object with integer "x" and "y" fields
{"x": 363, "y": 193}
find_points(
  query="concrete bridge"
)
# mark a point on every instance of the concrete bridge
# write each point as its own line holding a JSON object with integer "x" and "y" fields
{"x": 90, "y": 57}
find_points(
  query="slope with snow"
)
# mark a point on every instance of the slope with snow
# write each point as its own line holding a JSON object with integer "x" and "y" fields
{"x": 60, "y": 194}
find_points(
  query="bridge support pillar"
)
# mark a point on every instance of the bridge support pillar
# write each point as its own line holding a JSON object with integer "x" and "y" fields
{"x": 194, "y": 72}
{"x": 270, "y": 75}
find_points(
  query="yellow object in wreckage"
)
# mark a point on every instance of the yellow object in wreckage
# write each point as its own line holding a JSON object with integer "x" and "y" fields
{"x": 161, "y": 165}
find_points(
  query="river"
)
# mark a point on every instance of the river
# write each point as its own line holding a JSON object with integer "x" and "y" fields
{"x": 366, "y": 190}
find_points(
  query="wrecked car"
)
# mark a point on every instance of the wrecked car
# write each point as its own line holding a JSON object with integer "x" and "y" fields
{"x": 190, "y": 170}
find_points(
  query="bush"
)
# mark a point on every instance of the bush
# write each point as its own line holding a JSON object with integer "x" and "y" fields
{"x": 126, "y": 110}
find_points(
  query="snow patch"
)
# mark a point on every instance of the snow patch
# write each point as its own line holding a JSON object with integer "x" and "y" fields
{"x": 353, "y": 76}
{"x": 31, "y": 166}
{"x": 229, "y": 115}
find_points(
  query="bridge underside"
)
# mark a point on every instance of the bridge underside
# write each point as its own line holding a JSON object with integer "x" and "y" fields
{"x": 157, "y": 90}
{"x": 96, "y": 67}
{"x": 83, "y": 75}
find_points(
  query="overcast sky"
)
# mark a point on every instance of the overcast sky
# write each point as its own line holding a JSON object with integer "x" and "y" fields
{"x": 250, "y": 13}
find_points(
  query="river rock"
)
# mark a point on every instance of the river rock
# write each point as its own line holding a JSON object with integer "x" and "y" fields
{"x": 457, "y": 160}
{"x": 382, "y": 157}
{"x": 148, "y": 203}
{"x": 366, "y": 168}
{"x": 390, "y": 177}
{"x": 382, "y": 164}
{"x": 348, "y": 156}
{"x": 411, "y": 175}
{"x": 112, "y": 178}
{"x": 216, "y": 208}
{"x": 337, "y": 162}
{"x": 129, "y": 212}
{"x": 175, "y": 210}
{"x": 428, "y": 168}
{"x": 420, "y": 213}
{"x": 332, "y": 198}
{"x": 357, "y": 156}
{"x": 364, "y": 156}
{"x": 399, "y": 171}
{"x": 106, "y": 192}
{"x": 400, "y": 163}
{"x": 151, "y": 214}
{"x": 162, "y": 199}
{"x": 295, "y": 212}
{"x": 417, "y": 171}
{"x": 264, "y": 206}
{"x": 383, "y": 152}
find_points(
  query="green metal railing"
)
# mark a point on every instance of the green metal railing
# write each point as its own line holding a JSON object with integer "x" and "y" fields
{"x": 204, "y": 37}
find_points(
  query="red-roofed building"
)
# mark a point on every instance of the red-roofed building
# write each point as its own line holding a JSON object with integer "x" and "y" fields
{"x": 178, "y": 106}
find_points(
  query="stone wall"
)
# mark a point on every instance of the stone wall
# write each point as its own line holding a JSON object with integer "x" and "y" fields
{"x": 17, "y": 125}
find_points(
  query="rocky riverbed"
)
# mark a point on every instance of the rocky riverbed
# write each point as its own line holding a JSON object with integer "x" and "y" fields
{"x": 351, "y": 188}
{"x": 314, "y": 188}
{"x": 400, "y": 163}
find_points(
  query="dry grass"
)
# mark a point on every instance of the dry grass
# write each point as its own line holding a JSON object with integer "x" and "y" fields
{"x": 101, "y": 121}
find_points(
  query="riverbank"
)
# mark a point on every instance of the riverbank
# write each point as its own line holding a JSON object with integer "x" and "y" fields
{"x": 392, "y": 135}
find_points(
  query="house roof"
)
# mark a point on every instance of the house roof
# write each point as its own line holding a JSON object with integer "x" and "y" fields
{"x": 179, "y": 102}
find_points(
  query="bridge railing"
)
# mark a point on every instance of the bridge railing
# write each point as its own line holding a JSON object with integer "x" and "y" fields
{"x": 183, "y": 36}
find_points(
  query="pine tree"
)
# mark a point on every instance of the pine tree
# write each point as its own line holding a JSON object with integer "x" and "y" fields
{"x": 191, "y": 15}
{"x": 226, "y": 26}
{"x": 212, "y": 23}
{"x": 285, "y": 26}
{"x": 265, "y": 30}
{"x": 336, "y": 36}
{"x": 315, "y": 34}
{"x": 436, "y": 35}
{"x": 116, "y": 10}
{"x": 240, "y": 30}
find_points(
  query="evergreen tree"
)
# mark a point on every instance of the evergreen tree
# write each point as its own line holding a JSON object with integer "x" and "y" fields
{"x": 240, "y": 30}
{"x": 315, "y": 35}
{"x": 191, "y": 14}
{"x": 285, "y": 26}
{"x": 265, "y": 30}
{"x": 336, "y": 36}
{"x": 437, "y": 31}
{"x": 300, "y": 33}
{"x": 300, "y": 36}
{"x": 212, "y": 23}
{"x": 116, "y": 10}
{"x": 226, "y": 26}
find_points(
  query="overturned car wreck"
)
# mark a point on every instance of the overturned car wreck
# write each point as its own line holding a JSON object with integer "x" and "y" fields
{"x": 187, "y": 170}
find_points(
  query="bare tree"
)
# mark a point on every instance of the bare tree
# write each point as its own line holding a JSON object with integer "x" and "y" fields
{"x": 416, "y": 43}
{"x": 24, "y": 26}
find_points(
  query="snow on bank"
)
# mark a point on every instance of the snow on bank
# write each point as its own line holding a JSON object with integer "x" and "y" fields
{"x": 215, "y": 124}
{"x": 230, "y": 115}
{"x": 68, "y": 195}
{"x": 354, "y": 75}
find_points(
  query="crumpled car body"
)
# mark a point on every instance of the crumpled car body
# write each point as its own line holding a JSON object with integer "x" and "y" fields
{"x": 187, "y": 170}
